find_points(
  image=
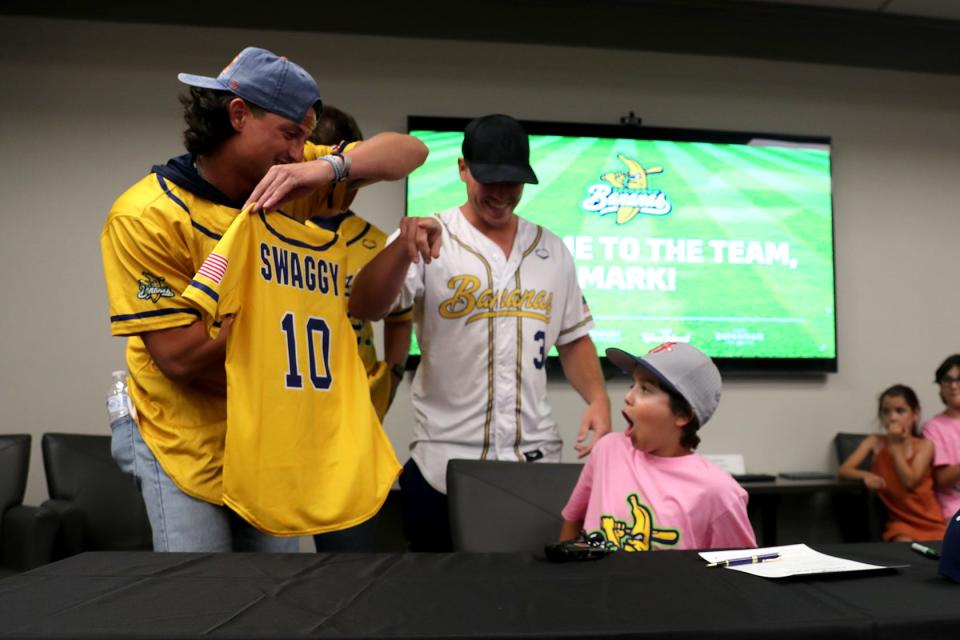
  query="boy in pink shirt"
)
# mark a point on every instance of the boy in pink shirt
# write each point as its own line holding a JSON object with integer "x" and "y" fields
{"x": 645, "y": 488}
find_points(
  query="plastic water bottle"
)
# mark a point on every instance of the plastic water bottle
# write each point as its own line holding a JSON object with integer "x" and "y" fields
{"x": 122, "y": 416}
{"x": 119, "y": 404}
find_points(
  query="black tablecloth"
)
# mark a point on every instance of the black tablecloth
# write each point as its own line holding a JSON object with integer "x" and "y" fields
{"x": 661, "y": 594}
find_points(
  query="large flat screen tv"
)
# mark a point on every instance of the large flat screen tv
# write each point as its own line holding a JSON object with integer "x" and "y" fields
{"x": 717, "y": 238}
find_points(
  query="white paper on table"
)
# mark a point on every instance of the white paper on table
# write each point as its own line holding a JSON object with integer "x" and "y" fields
{"x": 794, "y": 560}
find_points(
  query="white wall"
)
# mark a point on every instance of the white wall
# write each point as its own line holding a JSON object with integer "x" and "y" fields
{"x": 88, "y": 107}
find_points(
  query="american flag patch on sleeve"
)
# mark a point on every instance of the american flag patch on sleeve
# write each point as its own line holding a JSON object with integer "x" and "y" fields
{"x": 214, "y": 267}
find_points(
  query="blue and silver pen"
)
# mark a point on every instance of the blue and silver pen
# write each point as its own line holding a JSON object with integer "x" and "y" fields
{"x": 733, "y": 562}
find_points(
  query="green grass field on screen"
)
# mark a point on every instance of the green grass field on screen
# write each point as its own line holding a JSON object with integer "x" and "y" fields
{"x": 727, "y": 246}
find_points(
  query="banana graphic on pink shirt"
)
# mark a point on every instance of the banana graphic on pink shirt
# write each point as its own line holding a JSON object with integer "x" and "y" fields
{"x": 639, "y": 537}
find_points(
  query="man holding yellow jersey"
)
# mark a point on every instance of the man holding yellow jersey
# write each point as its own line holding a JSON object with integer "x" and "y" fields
{"x": 246, "y": 138}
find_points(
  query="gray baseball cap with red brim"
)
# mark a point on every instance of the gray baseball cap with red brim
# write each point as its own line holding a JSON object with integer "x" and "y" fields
{"x": 680, "y": 367}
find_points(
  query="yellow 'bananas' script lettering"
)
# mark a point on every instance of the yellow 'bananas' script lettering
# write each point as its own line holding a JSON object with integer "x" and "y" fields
{"x": 469, "y": 299}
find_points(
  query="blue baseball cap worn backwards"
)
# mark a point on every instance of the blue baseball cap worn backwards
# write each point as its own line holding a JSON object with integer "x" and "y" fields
{"x": 266, "y": 80}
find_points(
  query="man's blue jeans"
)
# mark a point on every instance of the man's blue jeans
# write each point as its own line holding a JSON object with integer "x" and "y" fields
{"x": 181, "y": 522}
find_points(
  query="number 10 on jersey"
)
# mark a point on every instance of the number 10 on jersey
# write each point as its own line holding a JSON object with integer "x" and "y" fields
{"x": 316, "y": 335}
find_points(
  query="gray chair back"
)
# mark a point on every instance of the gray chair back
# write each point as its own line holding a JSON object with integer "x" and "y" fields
{"x": 846, "y": 443}
{"x": 507, "y": 506}
{"x": 860, "y": 518}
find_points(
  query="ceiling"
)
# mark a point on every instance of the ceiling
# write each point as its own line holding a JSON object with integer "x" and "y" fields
{"x": 908, "y": 35}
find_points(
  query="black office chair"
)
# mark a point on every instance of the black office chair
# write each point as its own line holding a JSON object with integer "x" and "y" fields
{"x": 100, "y": 507}
{"x": 860, "y": 517}
{"x": 507, "y": 506}
{"x": 846, "y": 443}
{"x": 26, "y": 533}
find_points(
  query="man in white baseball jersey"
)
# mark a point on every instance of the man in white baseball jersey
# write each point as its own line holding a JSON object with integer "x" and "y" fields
{"x": 488, "y": 307}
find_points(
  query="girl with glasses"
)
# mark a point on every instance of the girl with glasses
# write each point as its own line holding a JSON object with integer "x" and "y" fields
{"x": 944, "y": 431}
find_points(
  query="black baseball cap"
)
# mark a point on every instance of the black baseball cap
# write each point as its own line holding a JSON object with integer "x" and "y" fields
{"x": 496, "y": 149}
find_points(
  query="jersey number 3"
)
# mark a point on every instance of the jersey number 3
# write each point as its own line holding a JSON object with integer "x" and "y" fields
{"x": 318, "y": 352}
{"x": 539, "y": 361}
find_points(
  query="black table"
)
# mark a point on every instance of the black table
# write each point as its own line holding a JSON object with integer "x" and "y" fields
{"x": 666, "y": 594}
{"x": 766, "y": 496}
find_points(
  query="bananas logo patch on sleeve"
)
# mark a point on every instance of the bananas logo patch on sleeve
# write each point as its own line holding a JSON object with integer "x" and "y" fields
{"x": 153, "y": 288}
{"x": 639, "y": 536}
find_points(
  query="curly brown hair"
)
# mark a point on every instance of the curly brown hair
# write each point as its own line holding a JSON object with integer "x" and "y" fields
{"x": 207, "y": 114}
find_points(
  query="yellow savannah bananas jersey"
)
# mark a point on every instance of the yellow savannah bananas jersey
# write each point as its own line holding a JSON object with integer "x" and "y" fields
{"x": 156, "y": 236}
{"x": 364, "y": 241}
{"x": 305, "y": 452}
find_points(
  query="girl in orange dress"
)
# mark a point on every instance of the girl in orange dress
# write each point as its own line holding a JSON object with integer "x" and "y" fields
{"x": 901, "y": 472}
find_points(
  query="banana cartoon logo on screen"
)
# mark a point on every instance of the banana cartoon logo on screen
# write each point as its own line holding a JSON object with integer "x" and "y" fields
{"x": 627, "y": 193}
{"x": 640, "y": 536}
